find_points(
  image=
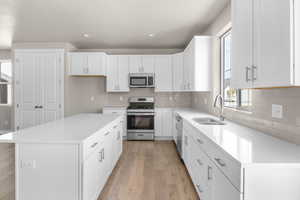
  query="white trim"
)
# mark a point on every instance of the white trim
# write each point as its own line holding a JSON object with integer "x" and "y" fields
{"x": 39, "y": 50}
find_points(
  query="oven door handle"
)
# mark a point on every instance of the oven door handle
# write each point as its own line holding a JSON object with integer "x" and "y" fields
{"x": 140, "y": 114}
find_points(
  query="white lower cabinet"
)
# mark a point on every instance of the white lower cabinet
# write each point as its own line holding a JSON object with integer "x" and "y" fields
{"x": 208, "y": 179}
{"x": 163, "y": 123}
{"x": 93, "y": 168}
{"x": 216, "y": 175}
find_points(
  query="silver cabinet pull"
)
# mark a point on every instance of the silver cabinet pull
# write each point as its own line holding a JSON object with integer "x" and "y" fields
{"x": 107, "y": 133}
{"x": 186, "y": 140}
{"x": 220, "y": 162}
{"x": 199, "y": 162}
{"x": 95, "y": 144}
{"x": 209, "y": 173}
{"x": 254, "y": 72}
{"x": 247, "y": 74}
{"x": 200, "y": 141}
{"x": 115, "y": 126}
{"x": 199, "y": 188}
{"x": 100, "y": 156}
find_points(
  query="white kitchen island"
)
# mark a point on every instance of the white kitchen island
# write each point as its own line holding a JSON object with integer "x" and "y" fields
{"x": 68, "y": 159}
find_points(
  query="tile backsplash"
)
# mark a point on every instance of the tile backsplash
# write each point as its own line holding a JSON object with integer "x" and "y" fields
{"x": 260, "y": 115}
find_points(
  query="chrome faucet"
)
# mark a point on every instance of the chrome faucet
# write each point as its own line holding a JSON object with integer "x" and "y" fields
{"x": 219, "y": 96}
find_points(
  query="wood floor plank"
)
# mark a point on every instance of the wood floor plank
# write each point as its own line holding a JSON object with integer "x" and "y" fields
{"x": 149, "y": 171}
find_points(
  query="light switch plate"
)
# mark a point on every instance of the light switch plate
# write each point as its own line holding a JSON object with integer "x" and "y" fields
{"x": 277, "y": 111}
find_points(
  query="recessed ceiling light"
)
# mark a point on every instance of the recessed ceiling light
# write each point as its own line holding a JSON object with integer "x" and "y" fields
{"x": 151, "y": 35}
{"x": 86, "y": 35}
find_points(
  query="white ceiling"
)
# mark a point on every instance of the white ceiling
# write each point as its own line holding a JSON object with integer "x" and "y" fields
{"x": 109, "y": 23}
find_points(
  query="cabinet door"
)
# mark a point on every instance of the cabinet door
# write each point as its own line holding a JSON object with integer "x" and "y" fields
{"x": 272, "y": 43}
{"x": 92, "y": 173}
{"x": 167, "y": 122}
{"x": 108, "y": 153}
{"x": 78, "y": 64}
{"x": 27, "y": 88}
{"x": 163, "y": 74}
{"x": 178, "y": 72}
{"x": 187, "y": 68}
{"x": 158, "y": 123}
{"x": 148, "y": 64}
{"x": 123, "y": 73}
{"x": 112, "y": 74}
{"x": 221, "y": 187}
{"x": 242, "y": 44}
{"x": 51, "y": 83}
{"x": 96, "y": 64}
{"x": 135, "y": 64}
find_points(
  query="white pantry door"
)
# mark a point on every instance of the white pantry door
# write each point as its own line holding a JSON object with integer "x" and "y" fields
{"x": 38, "y": 87}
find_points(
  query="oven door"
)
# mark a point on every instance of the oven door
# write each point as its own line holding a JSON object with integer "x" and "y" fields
{"x": 138, "y": 81}
{"x": 140, "y": 122}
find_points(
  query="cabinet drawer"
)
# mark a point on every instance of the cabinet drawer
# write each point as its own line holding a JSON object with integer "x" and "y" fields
{"x": 201, "y": 141}
{"x": 93, "y": 142}
{"x": 230, "y": 167}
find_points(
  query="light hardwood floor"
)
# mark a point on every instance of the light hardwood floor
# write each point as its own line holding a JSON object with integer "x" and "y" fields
{"x": 149, "y": 171}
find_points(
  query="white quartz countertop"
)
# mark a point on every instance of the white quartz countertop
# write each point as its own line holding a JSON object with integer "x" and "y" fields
{"x": 72, "y": 129}
{"x": 246, "y": 145}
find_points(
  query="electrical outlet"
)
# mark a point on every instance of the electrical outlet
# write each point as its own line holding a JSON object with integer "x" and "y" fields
{"x": 277, "y": 111}
{"x": 92, "y": 98}
{"x": 29, "y": 164}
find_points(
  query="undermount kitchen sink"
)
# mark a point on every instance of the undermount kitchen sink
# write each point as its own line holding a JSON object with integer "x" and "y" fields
{"x": 208, "y": 121}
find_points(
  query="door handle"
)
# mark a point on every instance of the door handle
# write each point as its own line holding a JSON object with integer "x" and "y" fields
{"x": 38, "y": 107}
{"x": 209, "y": 173}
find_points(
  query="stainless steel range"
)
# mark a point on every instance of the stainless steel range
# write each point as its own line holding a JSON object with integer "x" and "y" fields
{"x": 140, "y": 118}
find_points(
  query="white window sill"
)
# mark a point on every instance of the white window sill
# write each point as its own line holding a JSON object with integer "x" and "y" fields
{"x": 238, "y": 110}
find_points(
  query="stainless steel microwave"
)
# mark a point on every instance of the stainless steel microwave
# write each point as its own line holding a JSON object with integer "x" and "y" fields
{"x": 141, "y": 80}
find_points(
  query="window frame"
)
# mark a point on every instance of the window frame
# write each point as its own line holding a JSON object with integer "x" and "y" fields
{"x": 9, "y": 83}
{"x": 238, "y": 105}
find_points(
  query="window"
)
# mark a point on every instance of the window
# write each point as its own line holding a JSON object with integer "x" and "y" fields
{"x": 5, "y": 82}
{"x": 233, "y": 98}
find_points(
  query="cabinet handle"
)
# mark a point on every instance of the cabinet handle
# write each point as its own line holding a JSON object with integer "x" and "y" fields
{"x": 199, "y": 188}
{"x": 209, "y": 173}
{"x": 103, "y": 154}
{"x": 247, "y": 74}
{"x": 254, "y": 71}
{"x": 95, "y": 144}
{"x": 220, "y": 162}
{"x": 199, "y": 162}
{"x": 100, "y": 156}
{"x": 115, "y": 126}
{"x": 186, "y": 140}
{"x": 107, "y": 133}
{"x": 200, "y": 141}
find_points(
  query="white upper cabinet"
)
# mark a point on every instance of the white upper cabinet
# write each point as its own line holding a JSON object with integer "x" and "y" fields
{"x": 163, "y": 73}
{"x": 197, "y": 64}
{"x": 242, "y": 43}
{"x": 141, "y": 64}
{"x": 117, "y": 73}
{"x": 87, "y": 64}
{"x": 178, "y": 72}
{"x": 264, "y": 38}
